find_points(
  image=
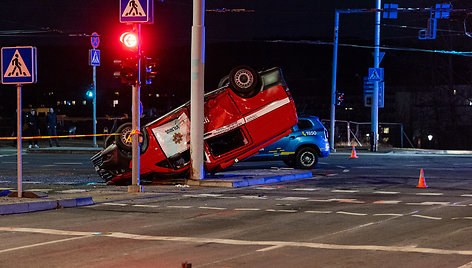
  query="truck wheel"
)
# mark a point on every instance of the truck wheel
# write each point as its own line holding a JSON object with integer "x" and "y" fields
{"x": 306, "y": 158}
{"x": 244, "y": 81}
{"x": 123, "y": 141}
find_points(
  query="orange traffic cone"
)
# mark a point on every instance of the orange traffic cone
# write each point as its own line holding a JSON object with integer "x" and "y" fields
{"x": 353, "y": 153}
{"x": 421, "y": 182}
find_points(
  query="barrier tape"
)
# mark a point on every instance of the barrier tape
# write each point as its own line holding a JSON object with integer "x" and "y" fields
{"x": 134, "y": 131}
{"x": 63, "y": 136}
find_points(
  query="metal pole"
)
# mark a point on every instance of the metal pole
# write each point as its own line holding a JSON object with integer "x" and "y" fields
{"x": 18, "y": 140}
{"x": 401, "y": 136}
{"x": 197, "y": 91}
{"x": 348, "y": 133}
{"x": 135, "y": 123}
{"x": 333, "y": 85}
{"x": 94, "y": 106}
{"x": 375, "y": 97}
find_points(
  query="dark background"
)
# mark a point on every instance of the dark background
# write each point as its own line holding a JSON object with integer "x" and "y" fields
{"x": 60, "y": 29}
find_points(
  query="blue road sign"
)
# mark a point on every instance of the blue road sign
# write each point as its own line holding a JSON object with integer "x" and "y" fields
{"x": 442, "y": 11}
{"x": 19, "y": 65}
{"x": 369, "y": 91}
{"x": 376, "y": 74}
{"x": 390, "y": 11}
{"x": 95, "y": 40}
{"x": 141, "y": 11}
{"x": 94, "y": 57}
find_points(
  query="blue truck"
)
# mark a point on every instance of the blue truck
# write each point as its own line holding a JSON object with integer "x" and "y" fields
{"x": 301, "y": 148}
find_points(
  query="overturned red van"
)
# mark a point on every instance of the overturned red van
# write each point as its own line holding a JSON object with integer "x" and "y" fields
{"x": 248, "y": 112}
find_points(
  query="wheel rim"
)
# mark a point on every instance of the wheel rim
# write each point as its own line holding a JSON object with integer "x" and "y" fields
{"x": 125, "y": 136}
{"x": 244, "y": 78}
{"x": 307, "y": 159}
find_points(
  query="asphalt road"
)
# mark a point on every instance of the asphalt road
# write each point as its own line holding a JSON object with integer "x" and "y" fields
{"x": 363, "y": 212}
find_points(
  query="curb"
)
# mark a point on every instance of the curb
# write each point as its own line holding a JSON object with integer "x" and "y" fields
{"x": 44, "y": 205}
{"x": 246, "y": 180}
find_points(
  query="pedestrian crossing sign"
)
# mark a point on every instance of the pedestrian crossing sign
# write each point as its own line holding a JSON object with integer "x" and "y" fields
{"x": 376, "y": 74}
{"x": 94, "y": 57}
{"x": 19, "y": 65}
{"x": 141, "y": 11}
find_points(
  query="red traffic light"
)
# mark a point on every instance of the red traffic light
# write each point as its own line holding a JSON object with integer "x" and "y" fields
{"x": 129, "y": 39}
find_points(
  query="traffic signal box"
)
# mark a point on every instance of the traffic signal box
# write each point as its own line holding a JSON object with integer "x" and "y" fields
{"x": 127, "y": 70}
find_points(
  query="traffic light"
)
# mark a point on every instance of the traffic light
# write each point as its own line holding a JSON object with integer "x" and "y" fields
{"x": 339, "y": 98}
{"x": 89, "y": 93}
{"x": 130, "y": 40}
{"x": 127, "y": 70}
{"x": 149, "y": 70}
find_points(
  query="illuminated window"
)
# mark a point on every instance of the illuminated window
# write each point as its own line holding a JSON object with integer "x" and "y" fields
{"x": 58, "y": 103}
{"x": 115, "y": 103}
{"x": 73, "y": 102}
{"x": 117, "y": 93}
{"x": 386, "y": 130}
{"x": 84, "y": 102}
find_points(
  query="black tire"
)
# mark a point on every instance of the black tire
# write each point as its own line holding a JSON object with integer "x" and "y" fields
{"x": 306, "y": 158}
{"x": 109, "y": 141}
{"x": 244, "y": 81}
{"x": 123, "y": 141}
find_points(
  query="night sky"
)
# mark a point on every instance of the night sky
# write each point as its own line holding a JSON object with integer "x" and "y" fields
{"x": 57, "y": 28}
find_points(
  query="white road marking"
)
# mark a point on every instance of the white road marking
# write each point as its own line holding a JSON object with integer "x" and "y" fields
{"x": 351, "y": 213}
{"x": 32, "y": 182}
{"x": 344, "y": 191}
{"x": 39, "y": 190}
{"x": 253, "y": 197}
{"x": 5, "y": 162}
{"x": 430, "y": 194}
{"x": 72, "y": 191}
{"x": 387, "y": 202}
{"x": 146, "y": 206}
{"x": 326, "y": 200}
{"x": 319, "y": 211}
{"x": 426, "y": 217}
{"x": 269, "y": 248}
{"x": 225, "y": 197}
{"x": 389, "y": 214}
{"x": 346, "y": 170}
{"x": 385, "y": 192}
{"x": 214, "y": 208}
{"x": 202, "y": 240}
{"x": 292, "y": 198}
{"x": 44, "y": 243}
{"x": 115, "y": 204}
{"x": 466, "y": 195}
{"x": 201, "y": 195}
{"x": 306, "y": 189}
{"x": 467, "y": 265}
{"x": 179, "y": 206}
{"x": 429, "y": 203}
{"x": 462, "y": 218}
{"x": 282, "y": 210}
{"x": 247, "y": 209}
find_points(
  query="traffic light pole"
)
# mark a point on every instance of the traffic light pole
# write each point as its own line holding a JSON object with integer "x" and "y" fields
{"x": 135, "y": 123}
